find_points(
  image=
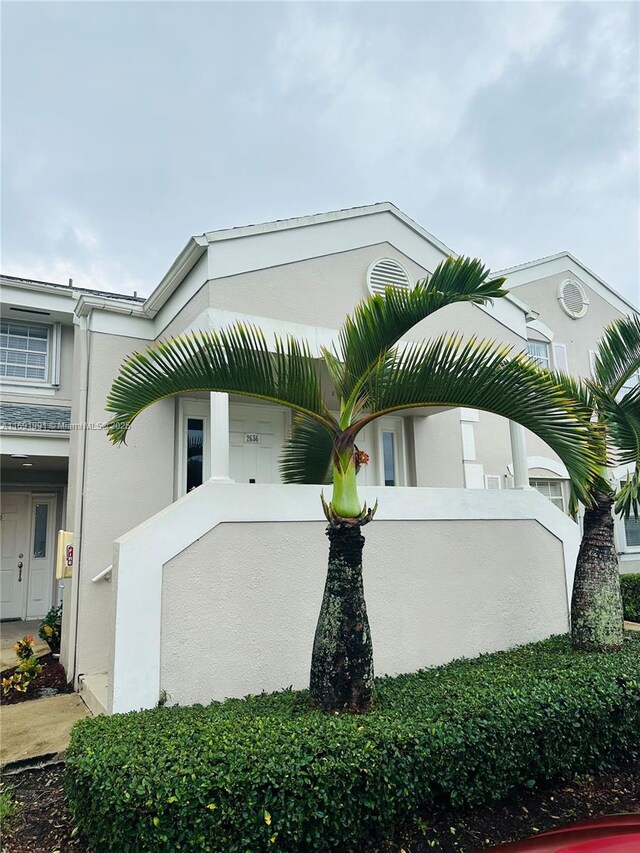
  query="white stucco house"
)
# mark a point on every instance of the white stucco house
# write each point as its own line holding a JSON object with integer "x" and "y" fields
{"x": 186, "y": 542}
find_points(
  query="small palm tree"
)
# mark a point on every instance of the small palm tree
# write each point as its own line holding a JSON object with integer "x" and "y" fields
{"x": 372, "y": 375}
{"x": 614, "y": 410}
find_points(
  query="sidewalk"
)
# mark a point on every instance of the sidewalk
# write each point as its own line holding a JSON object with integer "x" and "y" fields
{"x": 40, "y": 728}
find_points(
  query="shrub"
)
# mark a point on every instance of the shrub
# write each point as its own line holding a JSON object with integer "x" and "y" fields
{"x": 630, "y": 588}
{"x": 26, "y": 672}
{"x": 50, "y": 627}
{"x": 267, "y": 773}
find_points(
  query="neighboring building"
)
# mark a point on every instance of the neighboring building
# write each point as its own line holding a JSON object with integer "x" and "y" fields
{"x": 132, "y": 608}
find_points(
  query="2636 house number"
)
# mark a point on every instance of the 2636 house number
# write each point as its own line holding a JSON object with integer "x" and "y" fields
{"x": 251, "y": 438}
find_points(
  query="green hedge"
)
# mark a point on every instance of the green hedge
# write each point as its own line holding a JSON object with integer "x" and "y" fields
{"x": 266, "y": 773}
{"x": 630, "y": 588}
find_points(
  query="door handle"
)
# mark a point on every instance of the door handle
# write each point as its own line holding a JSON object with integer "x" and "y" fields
{"x": 20, "y": 571}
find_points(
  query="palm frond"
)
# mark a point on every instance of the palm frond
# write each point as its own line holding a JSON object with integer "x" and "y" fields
{"x": 485, "y": 375}
{"x": 378, "y": 322}
{"x": 308, "y": 452}
{"x": 618, "y": 355}
{"x": 622, "y": 419}
{"x": 628, "y": 497}
{"x": 236, "y": 360}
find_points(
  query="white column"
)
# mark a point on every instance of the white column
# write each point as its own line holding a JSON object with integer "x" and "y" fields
{"x": 219, "y": 437}
{"x": 519, "y": 456}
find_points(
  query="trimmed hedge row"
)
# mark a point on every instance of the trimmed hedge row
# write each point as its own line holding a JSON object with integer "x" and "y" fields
{"x": 266, "y": 773}
{"x": 630, "y": 588}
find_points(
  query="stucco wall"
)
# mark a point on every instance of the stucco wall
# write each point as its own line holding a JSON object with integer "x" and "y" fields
{"x": 123, "y": 486}
{"x": 317, "y": 292}
{"x": 580, "y": 335}
{"x": 239, "y": 606}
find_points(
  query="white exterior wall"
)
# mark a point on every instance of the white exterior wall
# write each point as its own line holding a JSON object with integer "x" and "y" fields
{"x": 245, "y": 600}
{"x": 192, "y": 571}
{"x": 122, "y": 487}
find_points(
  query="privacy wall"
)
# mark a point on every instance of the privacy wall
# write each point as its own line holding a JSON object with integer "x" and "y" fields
{"x": 239, "y": 606}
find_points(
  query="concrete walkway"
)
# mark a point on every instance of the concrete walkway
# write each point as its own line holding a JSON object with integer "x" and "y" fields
{"x": 10, "y": 633}
{"x": 39, "y": 728}
{"x": 632, "y": 626}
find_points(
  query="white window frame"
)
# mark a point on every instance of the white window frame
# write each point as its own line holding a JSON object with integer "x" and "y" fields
{"x": 560, "y": 482}
{"x": 626, "y": 548}
{"x": 493, "y": 478}
{"x": 543, "y": 361}
{"x": 187, "y": 409}
{"x": 52, "y": 372}
{"x": 394, "y": 425}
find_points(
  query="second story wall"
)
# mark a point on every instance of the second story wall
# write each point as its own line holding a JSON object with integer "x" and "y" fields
{"x": 122, "y": 486}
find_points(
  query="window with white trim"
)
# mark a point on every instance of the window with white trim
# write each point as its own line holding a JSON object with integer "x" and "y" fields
{"x": 25, "y": 350}
{"x": 539, "y": 352}
{"x": 631, "y": 383}
{"x": 631, "y": 527}
{"x": 551, "y": 489}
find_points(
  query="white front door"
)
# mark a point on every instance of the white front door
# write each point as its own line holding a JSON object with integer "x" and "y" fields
{"x": 14, "y": 529}
{"x": 256, "y": 436}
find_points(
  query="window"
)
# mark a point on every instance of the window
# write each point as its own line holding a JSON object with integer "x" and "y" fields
{"x": 389, "y": 457}
{"x": 24, "y": 350}
{"x": 631, "y": 383}
{"x": 40, "y": 530}
{"x": 632, "y": 532}
{"x": 195, "y": 453}
{"x": 539, "y": 352}
{"x": 551, "y": 489}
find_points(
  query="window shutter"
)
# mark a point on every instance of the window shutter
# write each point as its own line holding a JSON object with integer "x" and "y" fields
{"x": 560, "y": 357}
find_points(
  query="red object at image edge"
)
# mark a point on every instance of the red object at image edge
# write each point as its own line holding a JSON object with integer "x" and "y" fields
{"x": 610, "y": 834}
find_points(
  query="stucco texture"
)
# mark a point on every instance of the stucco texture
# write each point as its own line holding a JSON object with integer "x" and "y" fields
{"x": 239, "y": 606}
{"x": 123, "y": 487}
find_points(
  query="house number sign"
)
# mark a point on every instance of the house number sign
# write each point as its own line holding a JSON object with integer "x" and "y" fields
{"x": 251, "y": 438}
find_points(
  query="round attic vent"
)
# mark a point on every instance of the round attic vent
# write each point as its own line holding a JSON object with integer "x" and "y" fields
{"x": 573, "y": 298}
{"x": 385, "y": 273}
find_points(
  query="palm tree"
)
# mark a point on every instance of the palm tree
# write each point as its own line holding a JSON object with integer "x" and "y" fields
{"x": 372, "y": 375}
{"x": 614, "y": 409}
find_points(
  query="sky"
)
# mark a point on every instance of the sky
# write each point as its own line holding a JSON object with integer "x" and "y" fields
{"x": 509, "y": 130}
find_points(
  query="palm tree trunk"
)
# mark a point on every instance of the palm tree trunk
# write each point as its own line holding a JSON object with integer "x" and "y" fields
{"x": 342, "y": 659}
{"x": 596, "y": 604}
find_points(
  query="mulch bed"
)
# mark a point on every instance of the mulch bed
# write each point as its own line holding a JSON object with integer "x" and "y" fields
{"x": 42, "y": 823}
{"x": 52, "y": 678}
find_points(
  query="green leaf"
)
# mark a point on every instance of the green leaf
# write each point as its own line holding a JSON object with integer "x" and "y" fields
{"x": 379, "y": 322}
{"x": 308, "y": 452}
{"x": 488, "y": 376}
{"x": 618, "y": 355}
{"x": 236, "y": 360}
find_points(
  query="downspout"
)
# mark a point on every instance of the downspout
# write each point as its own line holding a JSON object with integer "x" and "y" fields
{"x": 85, "y": 361}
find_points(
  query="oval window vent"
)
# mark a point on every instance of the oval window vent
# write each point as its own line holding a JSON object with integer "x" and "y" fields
{"x": 573, "y": 298}
{"x": 385, "y": 273}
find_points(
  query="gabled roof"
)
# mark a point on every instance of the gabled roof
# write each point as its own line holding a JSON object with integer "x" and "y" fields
{"x": 561, "y": 262}
{"x": 197, "y": 245}
{"x": 329, "y": 216}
